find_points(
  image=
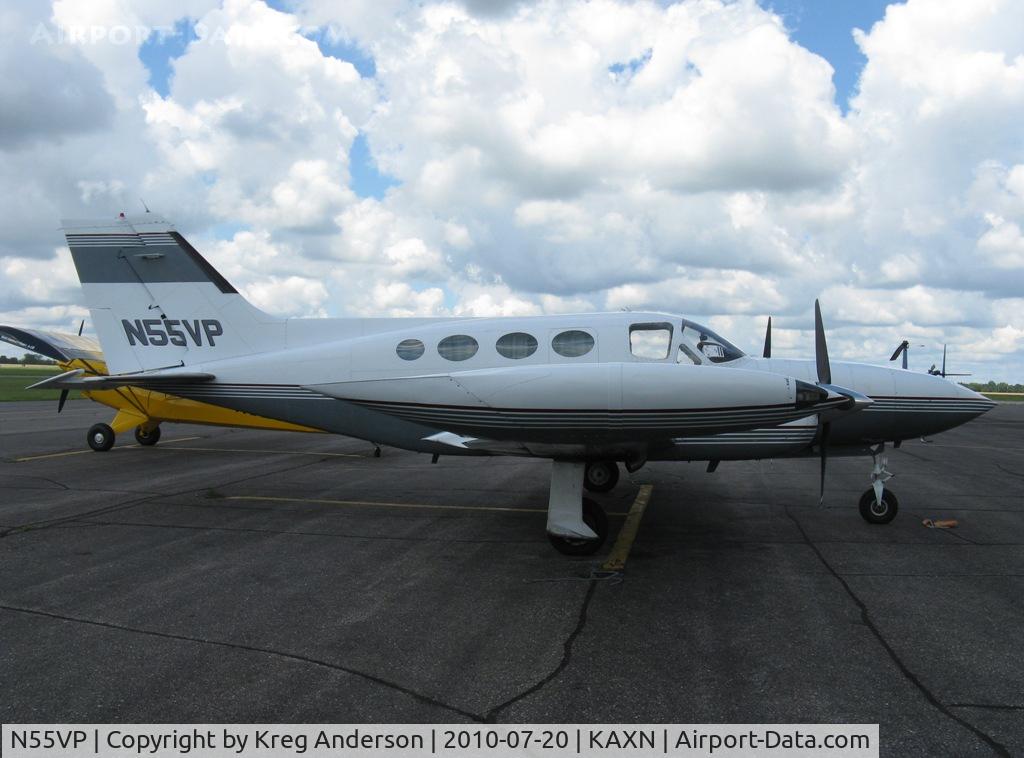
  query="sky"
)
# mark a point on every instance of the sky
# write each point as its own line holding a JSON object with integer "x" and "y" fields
{"x": 723, "y": 160}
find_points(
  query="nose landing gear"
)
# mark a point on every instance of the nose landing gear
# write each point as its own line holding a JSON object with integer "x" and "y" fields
{"x": 879, "y": 505}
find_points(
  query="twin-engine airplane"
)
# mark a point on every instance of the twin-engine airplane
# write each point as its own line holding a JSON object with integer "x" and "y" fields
{"x": 585, "y": 390}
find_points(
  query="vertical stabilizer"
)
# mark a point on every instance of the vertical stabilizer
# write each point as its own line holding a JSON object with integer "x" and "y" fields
{"x": 156, "y": 302}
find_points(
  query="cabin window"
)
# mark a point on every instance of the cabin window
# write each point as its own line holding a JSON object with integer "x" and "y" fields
{"x": 573, "y": 343}
{"x": 651, "y": 342}
{"x": 516, "y": 345}
{"x": 458, "y": 347}
{"x": 409, "y": 350}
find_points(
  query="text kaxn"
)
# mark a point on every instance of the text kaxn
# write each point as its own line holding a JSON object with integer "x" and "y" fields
{"x": 158, "y": 332}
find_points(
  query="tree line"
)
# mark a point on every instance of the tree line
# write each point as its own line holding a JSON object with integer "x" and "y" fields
{"x": 994, "y": 387}
{"x": 30, "y": 359}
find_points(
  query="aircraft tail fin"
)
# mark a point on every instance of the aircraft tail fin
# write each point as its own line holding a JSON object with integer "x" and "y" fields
{"x": 156, "y": 302}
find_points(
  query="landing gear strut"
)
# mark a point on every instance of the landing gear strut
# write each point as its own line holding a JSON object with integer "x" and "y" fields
{"x": 879, "y": 505}
{"x": 576, "y": 525}
{"x": 601, "y": 476}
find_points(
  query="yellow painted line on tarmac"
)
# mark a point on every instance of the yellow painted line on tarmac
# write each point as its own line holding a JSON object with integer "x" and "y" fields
{"x": 377, "y": 504}
{"x": 624, "y": 543}
{"x": 250, "y": 450}
{"x": 90, "y": 450}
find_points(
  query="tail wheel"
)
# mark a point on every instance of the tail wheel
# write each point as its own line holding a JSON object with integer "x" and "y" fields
{"x": 147, "y": 438}
{"x": 601, "y": 476}
{"x": 594, "y": 517}
{"x": 100, "y": 437}
{"x": 875, "y": 512}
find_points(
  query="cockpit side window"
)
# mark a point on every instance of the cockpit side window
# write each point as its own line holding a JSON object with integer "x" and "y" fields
{"x": 711, "y": 346}
{"x": 686, "y": 353}
{"x": 650, "y": 342}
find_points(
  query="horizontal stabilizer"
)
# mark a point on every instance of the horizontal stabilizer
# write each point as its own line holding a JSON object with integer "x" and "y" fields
{"x": 76, "y": 380}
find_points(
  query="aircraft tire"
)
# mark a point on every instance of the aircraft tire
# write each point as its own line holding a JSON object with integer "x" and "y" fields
{"x": 594, "y": 517}
{"x": 147, "y": 438}
{"x": 875, "y": 513}
{"x": 100, "y": 437}
{"x": 601, "y": 476}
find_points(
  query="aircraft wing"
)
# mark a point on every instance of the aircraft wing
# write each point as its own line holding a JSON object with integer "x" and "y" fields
{"x": 59, "y": 346}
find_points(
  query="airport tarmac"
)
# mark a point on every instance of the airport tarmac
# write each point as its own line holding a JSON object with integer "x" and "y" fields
{"x": 239, "y": 576}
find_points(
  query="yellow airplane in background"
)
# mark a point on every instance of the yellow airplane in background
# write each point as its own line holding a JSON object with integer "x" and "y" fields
{"x": 139, "y": 409}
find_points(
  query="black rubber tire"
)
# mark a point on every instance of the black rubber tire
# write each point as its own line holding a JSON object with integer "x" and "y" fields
{"x": 147, "y": 438}
{"x": 601, "y": 476}
{"x": 874, "y": 513}
{"x": 594, "y": 517}
{"x": 100, "y": 437}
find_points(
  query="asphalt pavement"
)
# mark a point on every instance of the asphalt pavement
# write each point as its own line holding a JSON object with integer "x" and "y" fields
{"x": 230, "y": 575}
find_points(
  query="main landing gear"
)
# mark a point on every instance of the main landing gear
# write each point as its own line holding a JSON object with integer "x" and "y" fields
{"x": 101, "y": 437}
{"x": 601, "y": 476}
{"x": 147, "y": 436}
{"x": 879, "y": 505}
{"x": 576, "y": 525}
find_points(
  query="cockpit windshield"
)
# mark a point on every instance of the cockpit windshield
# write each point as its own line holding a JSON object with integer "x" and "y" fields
{"x": 699, "y": 344}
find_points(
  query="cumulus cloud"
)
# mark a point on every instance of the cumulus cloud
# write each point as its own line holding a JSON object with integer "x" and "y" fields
{"x": 549, "y": 157}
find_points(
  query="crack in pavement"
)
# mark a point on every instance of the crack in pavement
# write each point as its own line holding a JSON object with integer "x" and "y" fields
{"x": 987, "y": 706}
{"x": 1007, "y": 471}
{"x": 997, "y": 748}
{"x": 251, "y": 649}
{"x": 491, "y": 716}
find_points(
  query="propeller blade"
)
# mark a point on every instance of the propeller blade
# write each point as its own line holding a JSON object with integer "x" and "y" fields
{"x": 81, "y": 327}
{"x": 63, "y": 399}
{"x": 903, "y": 349}
{"x": 768, "y": 340}
{"x": 824, "y": 460}
{"x": 943, "y": 360}
{"x": 820, "y": 348}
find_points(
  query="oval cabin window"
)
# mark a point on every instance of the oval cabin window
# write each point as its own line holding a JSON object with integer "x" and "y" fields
{"x": 458, "y": 347}
{"x": 409, "y": 350}
{"x": 516, "y": 345}
{"x": 573, "y": 343}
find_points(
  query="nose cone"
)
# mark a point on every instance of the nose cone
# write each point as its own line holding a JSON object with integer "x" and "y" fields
{"x": 932, "y": 404}
{"x": 976, "y": 399}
